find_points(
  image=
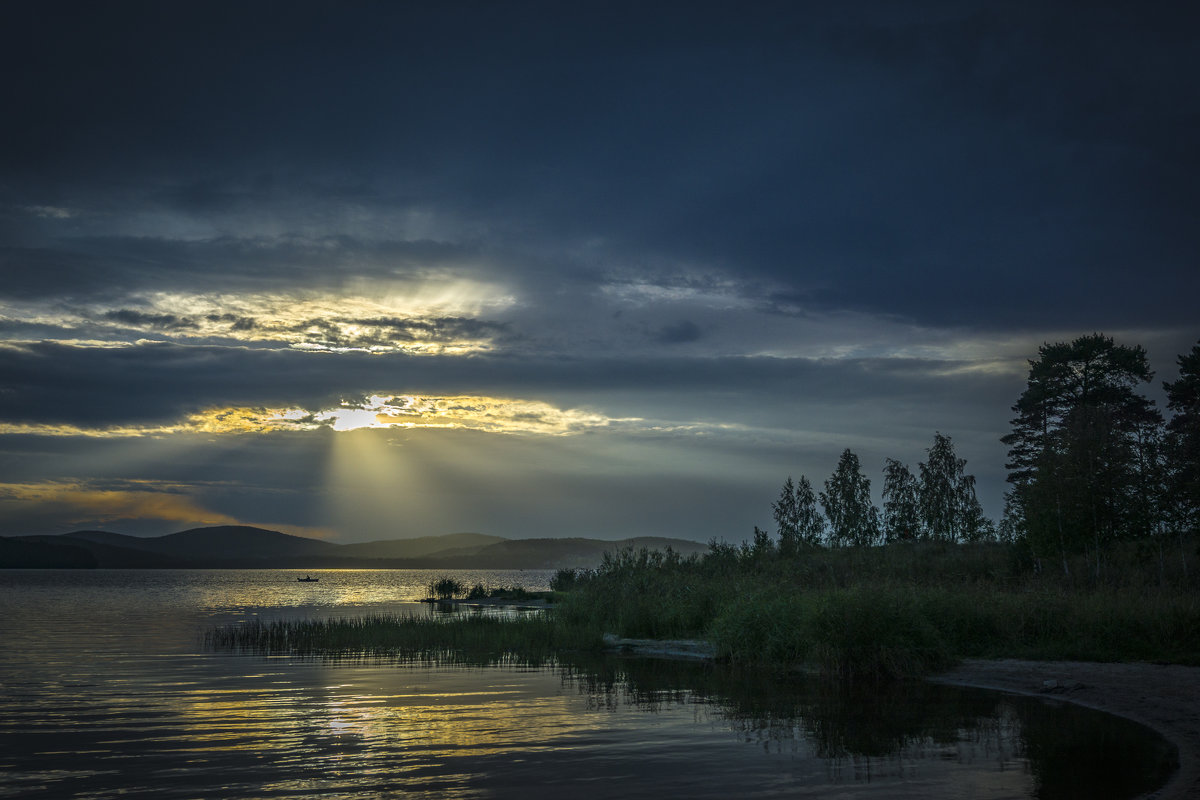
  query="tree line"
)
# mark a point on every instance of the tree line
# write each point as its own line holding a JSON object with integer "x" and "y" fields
{"x": 938, "y": 503}
{"x": 1091, "y": 463}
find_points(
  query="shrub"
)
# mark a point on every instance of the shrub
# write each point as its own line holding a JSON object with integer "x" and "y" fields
{"x": 876, "y": 634}
{"x": 446, "y": 588}
{"x": 564, "y": 580}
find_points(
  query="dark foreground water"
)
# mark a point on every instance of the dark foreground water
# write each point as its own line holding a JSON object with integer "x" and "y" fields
{"x": 106, "y": 690}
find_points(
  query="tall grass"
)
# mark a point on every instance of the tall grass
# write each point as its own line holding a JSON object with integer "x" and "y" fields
{"x": 445, "y": 588}
{"x": 473, "y": 639}
{"x": 859, "y": 614}
{"x": 893, "y": 611}
{"x": 898, "y": 630}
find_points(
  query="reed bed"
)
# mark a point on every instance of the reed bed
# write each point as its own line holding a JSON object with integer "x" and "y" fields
{"x": 894, "y": 611}
{"x": 855, "y": 613}
{"x": 471, "y": 639}
{"x": 902, "y": 631}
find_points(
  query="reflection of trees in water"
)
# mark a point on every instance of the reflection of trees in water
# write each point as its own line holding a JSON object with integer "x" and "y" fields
{"x": 800, "y": 713}
{"x": 1067, "y": 744}
{"x": 1072, "y": 752}
{"x": 835, "y": 721}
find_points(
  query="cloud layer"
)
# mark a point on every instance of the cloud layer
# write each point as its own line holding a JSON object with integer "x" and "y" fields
{"x": 695, "y": 246}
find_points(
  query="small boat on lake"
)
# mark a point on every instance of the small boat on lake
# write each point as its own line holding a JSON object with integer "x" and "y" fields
{"x": 307, "y": 579}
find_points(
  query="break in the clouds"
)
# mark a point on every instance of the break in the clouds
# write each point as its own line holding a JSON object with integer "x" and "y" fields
{"x": 544, "y": 268}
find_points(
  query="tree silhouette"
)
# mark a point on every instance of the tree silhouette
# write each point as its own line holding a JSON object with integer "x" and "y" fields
{"x": 853, "y": 518}
{"x": 1075, "y": 448}
{"x": 1182, "y": 476}
{"x": 797, "y": 518}
{"x": 901, "y": 514}
{"x": 949, "y": 508}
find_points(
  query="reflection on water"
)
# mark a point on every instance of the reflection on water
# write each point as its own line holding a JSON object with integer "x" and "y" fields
{"x": 106, "y": 690}
{"x": 1069, "y": 751}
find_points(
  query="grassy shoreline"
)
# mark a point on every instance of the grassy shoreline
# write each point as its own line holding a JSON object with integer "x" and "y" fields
{"x": 856, "y": 614}
{"x": 894, "y": 611}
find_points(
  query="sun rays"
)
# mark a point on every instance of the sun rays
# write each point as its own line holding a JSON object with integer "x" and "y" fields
{"x": 501, "y": 415}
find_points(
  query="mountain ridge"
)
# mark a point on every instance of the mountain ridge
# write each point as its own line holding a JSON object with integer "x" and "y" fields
{"x": 249, "y": 547}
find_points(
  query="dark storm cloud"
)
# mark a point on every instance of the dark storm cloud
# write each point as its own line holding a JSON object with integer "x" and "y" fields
{"x": 679, "y": 332}
{"x": 235, "y": 322}
{"x": 166, "y": 322}
{"x": 981, "y": 164}
{"x": 436, "y": 329}
{"x": 115, "y": 266}
{"x": 48, "y": 383}
{"x": 758, "y": 229}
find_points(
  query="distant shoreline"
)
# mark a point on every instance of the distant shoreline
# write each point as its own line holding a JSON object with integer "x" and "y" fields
{"x": 1165, "y": 697}
{"x": 245, "y": 547}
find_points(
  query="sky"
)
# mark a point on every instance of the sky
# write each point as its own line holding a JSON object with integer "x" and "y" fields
{"x": 373, "y": 270}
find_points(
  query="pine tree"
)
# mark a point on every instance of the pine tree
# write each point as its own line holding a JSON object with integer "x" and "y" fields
{"x": 853, "y": 518}
{"x": 1074, "y": 449}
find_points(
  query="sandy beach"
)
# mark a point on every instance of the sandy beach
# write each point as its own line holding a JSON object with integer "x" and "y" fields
{"x": 1163, "y": 697}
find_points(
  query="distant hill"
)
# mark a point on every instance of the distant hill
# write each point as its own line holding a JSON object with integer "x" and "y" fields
{"x": 113, "y": 556}
{"x": 240, "y": 546}
{"x": 21, "y": 554}
{"x": 221, "y": 546}
{"x": 556, "y": 553}
{"x": 107, "y": 538}
{"x": 239, "y": 542}
{"x": 419, "y": 547}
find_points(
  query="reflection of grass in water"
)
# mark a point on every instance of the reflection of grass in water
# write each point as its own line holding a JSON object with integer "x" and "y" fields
{"x": 838, "y": 719}
{"x": 1072, "y": 752}
{"x": 475, "y": 639}
{"x": 515, "y": 593}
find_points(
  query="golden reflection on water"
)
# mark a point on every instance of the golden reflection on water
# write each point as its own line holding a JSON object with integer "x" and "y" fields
{"x": 489, "y": 710}
{"x": 107, "y": 692}
{"x": 412, "y": 720}
{"x": 356, "y": 591}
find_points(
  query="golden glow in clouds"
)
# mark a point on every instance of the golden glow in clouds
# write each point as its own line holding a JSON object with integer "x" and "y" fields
{"x": 463, "y": 412}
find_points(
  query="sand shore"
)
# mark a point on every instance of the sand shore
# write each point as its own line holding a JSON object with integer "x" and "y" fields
{"x": 1163, "y": 697}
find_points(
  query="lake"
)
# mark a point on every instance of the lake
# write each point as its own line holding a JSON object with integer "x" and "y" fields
{"x": 108, "y": 689}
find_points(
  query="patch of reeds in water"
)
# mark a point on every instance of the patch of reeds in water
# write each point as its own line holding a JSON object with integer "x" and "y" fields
{"x": 474, "y": 639}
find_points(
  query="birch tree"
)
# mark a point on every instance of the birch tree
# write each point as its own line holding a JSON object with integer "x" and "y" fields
{"x": 853, "y": 518}
{"x": 901, "y": 513}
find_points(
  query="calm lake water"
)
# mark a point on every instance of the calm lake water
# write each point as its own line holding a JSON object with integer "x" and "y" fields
{"x": 106, "y": 689}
